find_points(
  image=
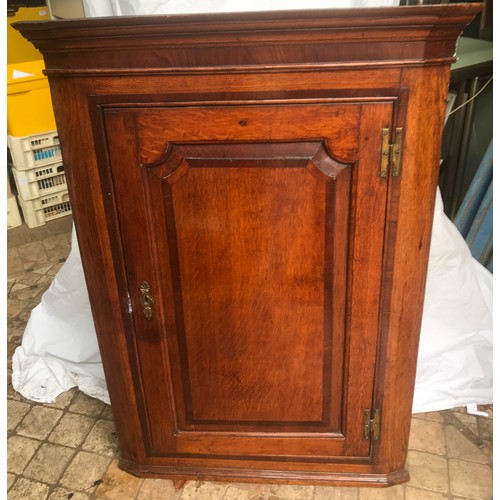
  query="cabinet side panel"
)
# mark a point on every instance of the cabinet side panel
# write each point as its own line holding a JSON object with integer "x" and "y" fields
{"x": 80, "y": 150}
{"x": 411, "y": 208}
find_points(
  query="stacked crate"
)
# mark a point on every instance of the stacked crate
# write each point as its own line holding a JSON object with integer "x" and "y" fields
{"x": 39, "y": 176}
{"x": 36, "y": 167}
{"x": 33, "y": 143}
{"x": 13, "y": 215}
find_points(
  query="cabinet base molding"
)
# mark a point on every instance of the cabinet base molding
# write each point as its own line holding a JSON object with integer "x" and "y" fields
{"x": 340, "y": 478}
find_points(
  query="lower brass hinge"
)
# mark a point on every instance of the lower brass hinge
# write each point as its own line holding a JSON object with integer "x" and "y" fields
{"x": 372, "y": 424}
{"x": 391, "y": 153}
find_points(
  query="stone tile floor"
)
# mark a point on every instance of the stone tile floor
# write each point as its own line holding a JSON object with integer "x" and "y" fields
{"x": 69, "y": 449}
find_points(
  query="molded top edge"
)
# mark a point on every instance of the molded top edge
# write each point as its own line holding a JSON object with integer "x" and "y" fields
{"x": 230, "y": 21}
{"x": 369, "y": 36}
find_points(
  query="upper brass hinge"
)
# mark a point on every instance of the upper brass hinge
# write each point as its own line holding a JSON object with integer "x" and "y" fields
{"x": 391, "y": 152}
{"x": 372, "y": 424}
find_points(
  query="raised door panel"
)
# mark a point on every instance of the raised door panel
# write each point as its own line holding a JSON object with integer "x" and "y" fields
{"x": 259, "y": 231}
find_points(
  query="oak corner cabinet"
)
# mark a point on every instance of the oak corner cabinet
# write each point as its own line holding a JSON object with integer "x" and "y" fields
{"x": 253, "y": 195}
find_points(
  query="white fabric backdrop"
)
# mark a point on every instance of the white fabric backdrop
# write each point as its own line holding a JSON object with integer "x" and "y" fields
{"x": 455, "y": 357}
{"x": 59, "y": 348}
{"x": 99, "y": 8}
{"x": 455, "y": 362}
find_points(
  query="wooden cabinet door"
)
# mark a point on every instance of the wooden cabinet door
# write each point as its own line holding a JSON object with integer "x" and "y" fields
{"x": 250, "y": 248}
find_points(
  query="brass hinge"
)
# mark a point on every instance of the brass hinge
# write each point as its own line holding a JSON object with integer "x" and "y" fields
{"x": 391, "y": 153}
{"x": 372, "y": 424}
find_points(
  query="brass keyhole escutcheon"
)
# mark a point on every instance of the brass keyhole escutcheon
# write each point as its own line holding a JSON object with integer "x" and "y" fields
{"x": 147, "y": 300}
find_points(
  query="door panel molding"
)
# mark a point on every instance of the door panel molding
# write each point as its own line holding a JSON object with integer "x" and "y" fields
{"x": 260, "y": 161}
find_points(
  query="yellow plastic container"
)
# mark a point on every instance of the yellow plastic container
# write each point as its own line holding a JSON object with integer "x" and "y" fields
{"x": 18, "y": 48}
{"x": 29, "y": 106}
